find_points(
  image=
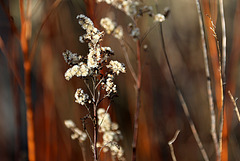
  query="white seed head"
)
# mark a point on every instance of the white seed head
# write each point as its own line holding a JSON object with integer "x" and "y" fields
{"x": 159, "y": 17}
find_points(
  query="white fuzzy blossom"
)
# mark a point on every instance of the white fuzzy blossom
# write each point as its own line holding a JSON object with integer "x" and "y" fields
{"x": 80, "y": 70}
{"x": 118, "y": 32}
{"x": 81, "y": 97}
{"x": 93, "y": 57}
{"x": 93, "y": 35}
{"x": 159, "y": 17}
{"x": 109, "y": 85}
{"x": 110, "y": 135}
{"x": 116, "y": 67}
{"x": 107, "y": 24}
{"x": 77, "y": 133}
{"x": 83, "y": 70}
{"x": 129, "y": 7}
{"x": 112, "y": 28}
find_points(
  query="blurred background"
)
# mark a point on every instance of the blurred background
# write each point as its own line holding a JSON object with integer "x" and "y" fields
{"x": 50, "y": 27}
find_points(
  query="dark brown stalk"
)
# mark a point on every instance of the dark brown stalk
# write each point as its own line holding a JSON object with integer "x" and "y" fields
{"x": 182, "y": 101}
{"x": 95, "y": 134}
{"x": 136, "y": 117}
{"x": 27, "y": 83}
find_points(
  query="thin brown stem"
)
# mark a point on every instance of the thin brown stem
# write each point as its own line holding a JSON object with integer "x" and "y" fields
{"x": 95, "y": 122}
{"x": 95, "y": 134}
{"x": 136, "y": 118}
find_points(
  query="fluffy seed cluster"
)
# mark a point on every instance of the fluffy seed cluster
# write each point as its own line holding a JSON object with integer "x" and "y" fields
{"x": 80, "y": 70}
{"x": 159, "y": 17}
{"x": 116, "y": 67}
{"x": 77, "y": 133}
{"x": 109, "y": 85}
{"x": 112, "y": 28}
{"x": 129, "y": 7}
{"x": 111, "y": 135}
{"x": 97, "y": 58}
{"x": 81, "y": 97}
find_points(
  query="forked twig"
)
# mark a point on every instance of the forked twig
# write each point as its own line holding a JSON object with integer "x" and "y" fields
{"x": 171, "y": 146}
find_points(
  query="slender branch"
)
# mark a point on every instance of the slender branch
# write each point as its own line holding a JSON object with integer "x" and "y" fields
{"x": 99, "y": 83}
{"x": 235, "y": 105}
{"x": 85, "y": 82}
{"x": 136, "y": 118}
{"x": 182, "y": 101}
{"x": 171, "y": 146}
{"x": 209, "y": 90}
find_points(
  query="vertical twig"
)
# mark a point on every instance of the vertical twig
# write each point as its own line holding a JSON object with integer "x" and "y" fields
{"x": 171, "y": 146}
{"x": 223, "y": 67}
{"x": 209, "y": 90}
{"x": 95, "y": 132}
{"x": 136, "y": 117}
{"x": 182, "y": 101}
{"x": 224, "y": 38}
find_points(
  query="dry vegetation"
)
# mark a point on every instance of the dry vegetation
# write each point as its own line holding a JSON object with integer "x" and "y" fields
{"x": 181, "y": 74}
